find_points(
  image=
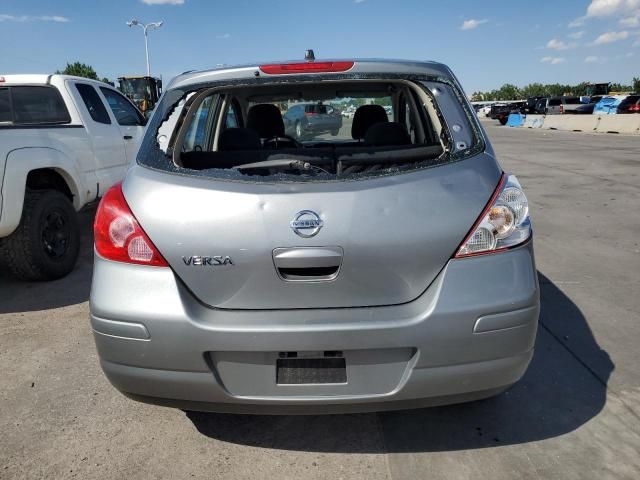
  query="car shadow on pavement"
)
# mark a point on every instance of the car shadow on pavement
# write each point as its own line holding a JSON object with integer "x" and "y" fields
{"x": 18, "y": 296}
{"x": 564, "y": 387}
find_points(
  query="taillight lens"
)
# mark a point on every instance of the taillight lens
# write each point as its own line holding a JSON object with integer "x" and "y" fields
{"x": 118, "y": 235}
{"x": 504, "y": 224}
{"x": 634, "y": 108}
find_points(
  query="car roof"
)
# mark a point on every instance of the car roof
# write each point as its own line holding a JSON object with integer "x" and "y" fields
{"x": 252, "y": 70}
{"x": 44, "y": 79}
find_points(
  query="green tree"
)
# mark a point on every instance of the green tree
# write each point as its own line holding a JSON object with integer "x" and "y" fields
{"x": 636, "y": 84}
{"x": 79, "y": 70}
{"x": 509, "y": 92}
{"x": 618, "y": 87}
{"x": 534, "y": 90}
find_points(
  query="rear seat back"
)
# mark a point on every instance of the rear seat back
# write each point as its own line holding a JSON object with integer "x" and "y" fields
{"x": 365, "y": 117}
{"x": 235, "y": 139}
{"x": 319, "y": 156}
{"x": 266, "y": 120}
{"x": 387, "y": 134}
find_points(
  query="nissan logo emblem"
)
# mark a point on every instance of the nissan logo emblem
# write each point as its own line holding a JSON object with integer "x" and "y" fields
{"x": 306, "y": 224}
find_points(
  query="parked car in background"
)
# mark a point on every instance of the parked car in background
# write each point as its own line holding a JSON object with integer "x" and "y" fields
{"x": 553, "y": 106}
{"x": 608, "y": 105}
{"x": 631, "y": 104}
{"x": 531, "y": 104}
{"x": 63, "y": 141}
{"x": 502, "y": 111}
{"x": 587, "y": 108}
{"x": 570, "y": 104}
{"x": 303, "y": 120}
{"x": 349, "y": 112}
{"x": 542, "y": 105}
{"x": 389, "y": 267}
{"x": 562, "y": 105}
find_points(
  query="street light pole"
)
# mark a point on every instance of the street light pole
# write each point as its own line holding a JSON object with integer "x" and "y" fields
{"x": 145, "y": 28}
{"x": 146, "y": 50}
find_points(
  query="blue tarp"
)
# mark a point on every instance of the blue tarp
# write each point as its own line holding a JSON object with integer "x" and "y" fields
{"x": 515, "y": 120}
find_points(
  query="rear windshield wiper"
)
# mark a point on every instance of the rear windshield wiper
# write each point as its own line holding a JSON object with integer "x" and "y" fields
{"x": 280, "y": 163}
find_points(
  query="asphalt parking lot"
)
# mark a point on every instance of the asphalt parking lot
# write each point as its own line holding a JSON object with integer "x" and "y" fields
{"x": 575, "y": 415}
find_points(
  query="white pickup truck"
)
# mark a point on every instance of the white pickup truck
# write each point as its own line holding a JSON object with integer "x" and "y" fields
{"x": 63, "y": 142}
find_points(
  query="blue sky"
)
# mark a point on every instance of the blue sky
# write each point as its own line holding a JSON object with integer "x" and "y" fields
{"x": 487, "y": 43}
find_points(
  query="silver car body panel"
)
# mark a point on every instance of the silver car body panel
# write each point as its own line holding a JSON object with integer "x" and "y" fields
{"x": 224, "y": 359}
{"x": 397, "y": 232}
{"x": 413, "y": 324}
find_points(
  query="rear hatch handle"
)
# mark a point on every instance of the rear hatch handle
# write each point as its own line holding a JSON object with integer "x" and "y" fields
{"x": 308, "y": 264}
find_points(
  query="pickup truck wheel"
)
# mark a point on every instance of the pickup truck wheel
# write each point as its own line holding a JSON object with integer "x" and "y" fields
{"x": 46, "y": 243}
{"x": 503, "y": 120}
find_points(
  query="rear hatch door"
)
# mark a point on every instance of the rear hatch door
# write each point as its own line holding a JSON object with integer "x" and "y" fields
{"x": 234, "y": 245}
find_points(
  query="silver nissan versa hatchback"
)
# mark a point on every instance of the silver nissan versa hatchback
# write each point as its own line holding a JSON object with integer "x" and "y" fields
{"x": 241, "y": 269}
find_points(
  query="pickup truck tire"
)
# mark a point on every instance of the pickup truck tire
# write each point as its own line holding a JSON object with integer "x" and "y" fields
{"x": 503, "y": 121}
{"x": 46, "y": 243}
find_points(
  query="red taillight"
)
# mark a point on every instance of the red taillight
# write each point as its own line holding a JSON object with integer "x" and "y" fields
{"x": 503, "y": 224}
{"x": 492, "y": 200}
{"x": 118, "y": 235}
{"x": 634, "y": 108}
{"x": 309, "y": 114}
{"x": 561, "y": 108}
{"x": 306, "y": 67}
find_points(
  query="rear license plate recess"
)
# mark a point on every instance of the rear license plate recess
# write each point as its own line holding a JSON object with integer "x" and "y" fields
{"x": 310, "y": 371}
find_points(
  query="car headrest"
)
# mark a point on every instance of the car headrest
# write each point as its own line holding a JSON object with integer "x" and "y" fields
{"x": 387, "y": 134}
{"x": 234, "y": 139}
{"x": 365, "y": 117}
{"x": 266, "y": 120}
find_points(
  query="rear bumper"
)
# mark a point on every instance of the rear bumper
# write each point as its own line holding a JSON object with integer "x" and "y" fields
{"x": 470, "y": 335}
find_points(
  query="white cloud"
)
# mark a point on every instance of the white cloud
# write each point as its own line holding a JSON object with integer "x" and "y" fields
{"x": 472, "y": 23}
{"x": 592, "y": 59}
{"x": 611, "y": 37}
{"x": 577, "y": 35}
{"x": 224, "y": 36}
{"x": 630, "y": 21}
{"x": 553, "y": 60}
{"x": 607, "y": 8}
{"x": 163, "y": 2}
{"x": 555, "y": 44}
{"x": 29, "y": 18}
{"x": 577, "y": 23}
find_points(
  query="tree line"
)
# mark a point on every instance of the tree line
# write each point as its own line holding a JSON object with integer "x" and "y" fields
{"x": 82, "y": 70}
{"x": 512, "y": 92}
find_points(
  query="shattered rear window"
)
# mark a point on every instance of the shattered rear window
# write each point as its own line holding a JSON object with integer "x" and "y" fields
{"x": 307, "y": 133}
